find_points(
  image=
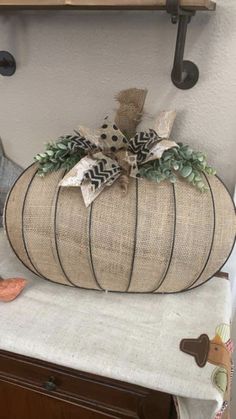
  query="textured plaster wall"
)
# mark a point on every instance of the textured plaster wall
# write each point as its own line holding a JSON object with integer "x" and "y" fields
{"x": 70, "y": 64}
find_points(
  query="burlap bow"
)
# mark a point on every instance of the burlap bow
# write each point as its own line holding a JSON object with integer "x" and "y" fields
{"x": 110, "y": 154}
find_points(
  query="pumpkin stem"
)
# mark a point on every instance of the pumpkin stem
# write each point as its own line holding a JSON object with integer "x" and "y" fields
{"x": 130, "y": 112}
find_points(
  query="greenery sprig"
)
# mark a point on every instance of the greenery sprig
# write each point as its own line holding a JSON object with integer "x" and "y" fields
{"x": 64, "y": 154}
{"x": 178, "y": 161}
{"x": 182, "y": 161}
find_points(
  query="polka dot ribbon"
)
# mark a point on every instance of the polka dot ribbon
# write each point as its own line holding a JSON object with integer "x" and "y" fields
{"x": 111, "y": 154}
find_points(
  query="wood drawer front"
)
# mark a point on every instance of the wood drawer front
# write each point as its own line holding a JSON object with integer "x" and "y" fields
{"x": 21, "y": 403}
{"x": 109, "y": 397}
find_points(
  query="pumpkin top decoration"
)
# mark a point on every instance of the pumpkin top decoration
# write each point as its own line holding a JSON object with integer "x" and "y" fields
{"x": 95, "y": 159}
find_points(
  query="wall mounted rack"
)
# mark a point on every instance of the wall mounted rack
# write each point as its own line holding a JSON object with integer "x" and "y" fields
{"x": 184, "y": 74}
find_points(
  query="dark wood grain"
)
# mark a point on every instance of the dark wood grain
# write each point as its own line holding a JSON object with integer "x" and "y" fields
{"x": 21, "y": 403}
{"x": 76, "y": 394}
{"x": 224, "y": 275}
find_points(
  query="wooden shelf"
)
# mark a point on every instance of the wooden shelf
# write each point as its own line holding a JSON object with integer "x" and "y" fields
{"x": 185, "y": 73}
{"x": 104, "y": 4}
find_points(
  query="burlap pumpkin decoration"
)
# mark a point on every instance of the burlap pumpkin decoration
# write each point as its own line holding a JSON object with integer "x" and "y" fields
{"x": 157, "y": 238}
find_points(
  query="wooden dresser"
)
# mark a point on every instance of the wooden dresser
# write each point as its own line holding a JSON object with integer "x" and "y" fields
{"x": 32, "y": 389}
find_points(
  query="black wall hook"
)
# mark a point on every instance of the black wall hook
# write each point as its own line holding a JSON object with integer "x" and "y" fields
{"x": 7, "y": 64}
{"x": 185, "y": 74}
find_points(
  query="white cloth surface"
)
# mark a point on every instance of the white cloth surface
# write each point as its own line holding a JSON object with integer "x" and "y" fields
{"x": 133, "y": 338}
{"x": 230, "y": 267}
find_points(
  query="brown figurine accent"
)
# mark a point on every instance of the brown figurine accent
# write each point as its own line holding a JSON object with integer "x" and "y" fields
{"x": 198, "y": 348}
{"x": 205, "y": 350}
{"x": 217, "y": 351}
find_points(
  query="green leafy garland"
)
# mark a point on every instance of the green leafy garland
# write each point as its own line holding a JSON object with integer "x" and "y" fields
{"x": 182, "y": 161}
{"x": 178, "y": 161}
{"x": 64, "y": 154}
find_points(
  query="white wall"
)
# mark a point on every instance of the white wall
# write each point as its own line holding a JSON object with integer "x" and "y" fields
{"x": 70, "y": 64}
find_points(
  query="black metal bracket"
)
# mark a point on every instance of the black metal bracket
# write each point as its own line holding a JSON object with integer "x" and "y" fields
{"x": 185, "y": 74}
{"x": 7, "y": 64}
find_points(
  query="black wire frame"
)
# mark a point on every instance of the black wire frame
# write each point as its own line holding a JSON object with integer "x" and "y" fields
{"x": 55, "y": 238}
{"x": 118, "y": 292}
{"x": 90, "y": 253}
{"x": 135, "y": 235}
{"x": 10, "y": 242}
{"x": 212, "y": 238}
{"x": 172, "y": 245}
{"x": 5, "y": 221}
{"x": 22, "y": 225}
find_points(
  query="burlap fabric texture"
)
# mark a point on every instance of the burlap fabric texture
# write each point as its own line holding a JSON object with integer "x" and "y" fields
{"x": 157, "y": 238}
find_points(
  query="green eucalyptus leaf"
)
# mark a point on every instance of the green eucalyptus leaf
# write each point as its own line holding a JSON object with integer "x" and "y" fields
{"x": 59, "y": 153}
{"x": 210, "y": 170}
{"x": 50, "y": 153}
{"x": 173, "y": 178}
{"x": 182, "y": 154}
{"x": 57, "y": 166}
{"x": 200, "y": 158}
{"x": 176, "y": 166}
{"x": 200, "y": 185}
{"x": 191, "y": 177}
{"x": 186, "y": 171}
{"x": 167, "y": 156}
{"x": 62, "y": 146}
{"x": 47, "y": 167}
{"x": 189, "y": 152}
{"x": 175, "y": 152}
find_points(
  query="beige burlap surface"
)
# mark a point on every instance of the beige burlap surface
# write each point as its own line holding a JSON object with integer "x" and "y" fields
{"x": 156, "y": 238}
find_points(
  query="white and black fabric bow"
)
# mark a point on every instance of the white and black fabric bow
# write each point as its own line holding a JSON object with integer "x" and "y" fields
{"x": 110, "y": 154}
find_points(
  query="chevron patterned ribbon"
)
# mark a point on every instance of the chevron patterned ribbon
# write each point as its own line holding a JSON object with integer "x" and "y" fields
{"x": 111, "y": 154}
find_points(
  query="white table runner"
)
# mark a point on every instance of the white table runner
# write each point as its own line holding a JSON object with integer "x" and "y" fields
{"x": 133, "y": 338}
